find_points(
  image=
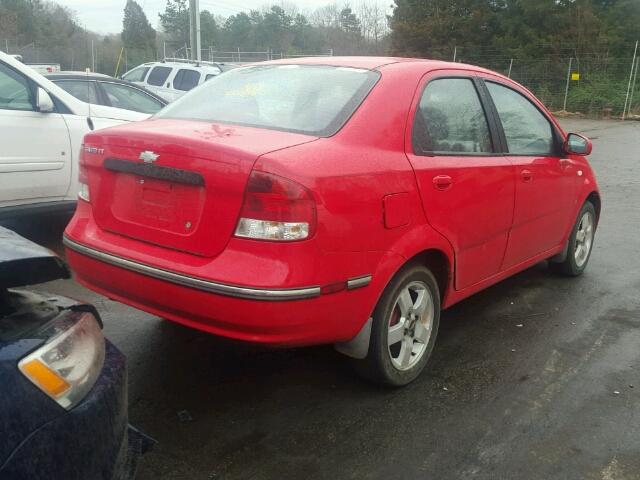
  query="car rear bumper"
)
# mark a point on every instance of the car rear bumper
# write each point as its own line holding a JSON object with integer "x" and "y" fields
{"x": 203, "y": 284}
{"x": 276, "y": 316}
{"x": 93, "y": 440}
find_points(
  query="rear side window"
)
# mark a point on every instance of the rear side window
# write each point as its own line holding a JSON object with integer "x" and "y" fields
{"x": 450, "y": 119}
{"x": 186, "y": 79}
{"x": 527, "y": 130}
{"x": 84, "y": 90}
{"x": 136, "y": 75}
{"x": 130, "y": 98}
{"x": 158, "y": 76}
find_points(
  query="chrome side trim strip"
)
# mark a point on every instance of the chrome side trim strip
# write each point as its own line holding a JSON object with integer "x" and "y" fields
{"x": 193, "y": 282}
{"x": 358, "y": 282}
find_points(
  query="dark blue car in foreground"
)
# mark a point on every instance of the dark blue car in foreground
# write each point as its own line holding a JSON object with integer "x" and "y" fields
{"x": 63, "y": 394}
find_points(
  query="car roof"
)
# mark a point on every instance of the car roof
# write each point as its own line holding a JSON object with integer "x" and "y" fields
{"x": 194, "y": 66}
{"x": 373, "y": 63}
{"x": 99, "y": 76}
{"x": 76, "y": 74}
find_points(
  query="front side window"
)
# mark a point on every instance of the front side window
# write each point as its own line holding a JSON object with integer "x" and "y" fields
{"x": 450, "y": 119}
{"x": 136, "y": 75}
{"x": 158, "y": 76}
{"x": 527, "y": 130}
{"x": 311, "y": 99}
{"x": 15, "y": 93}
{"x": 129, "y": 98}
{"x": 186, "y": 79}
{"x": 84, "y": 90}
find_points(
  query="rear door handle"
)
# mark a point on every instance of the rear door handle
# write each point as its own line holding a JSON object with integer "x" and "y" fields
{"x": 527, "y": 176}
{"x": 442, "y": 182}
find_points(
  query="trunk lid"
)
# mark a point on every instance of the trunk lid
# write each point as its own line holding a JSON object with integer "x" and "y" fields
{"x": 174, "y": 183}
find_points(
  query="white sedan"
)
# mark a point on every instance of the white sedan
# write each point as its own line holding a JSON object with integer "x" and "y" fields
{"x": 41, "y": 132}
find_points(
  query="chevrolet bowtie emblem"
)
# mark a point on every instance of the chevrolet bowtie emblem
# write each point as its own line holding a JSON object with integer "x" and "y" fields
{"x": 148, "y": 156}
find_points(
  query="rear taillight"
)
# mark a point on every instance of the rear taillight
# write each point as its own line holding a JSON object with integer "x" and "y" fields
{"x": 83, "y": 180}
{"x": 276, "y": 208}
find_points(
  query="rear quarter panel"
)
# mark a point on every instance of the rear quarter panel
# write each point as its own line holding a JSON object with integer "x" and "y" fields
{"x": 352, "y": 172}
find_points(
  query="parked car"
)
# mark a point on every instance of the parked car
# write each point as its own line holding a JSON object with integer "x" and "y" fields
{"x": 101, "y": 89}
{"x": 44, "y": 68}
{"x": 172, "y": 78}
{"x": 63, "y": 408}
{"x": 342, "y": 200}
{"x": 41, "y": 130}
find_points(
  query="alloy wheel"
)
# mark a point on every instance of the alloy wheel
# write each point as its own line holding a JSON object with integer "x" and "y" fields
{"x": 410, "y": 325}
{"x": 584, "y": 239}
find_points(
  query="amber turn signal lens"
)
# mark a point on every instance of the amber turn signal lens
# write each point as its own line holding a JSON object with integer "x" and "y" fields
{"x": 45, "y": 378}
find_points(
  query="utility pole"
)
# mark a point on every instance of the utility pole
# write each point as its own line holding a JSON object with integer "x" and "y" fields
{"x": 194, "y": 29}
{"x": 633, "y": 63}
{"x": 633, "y": 87}
{"x": 566, "y": 90}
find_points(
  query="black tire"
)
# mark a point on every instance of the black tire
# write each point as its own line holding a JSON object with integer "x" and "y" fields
{"x": 571, "y": 265}
{"x": 379, "y": 365}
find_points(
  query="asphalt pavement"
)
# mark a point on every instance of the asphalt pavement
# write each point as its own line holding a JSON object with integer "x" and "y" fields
{"x": 535, "y": 378}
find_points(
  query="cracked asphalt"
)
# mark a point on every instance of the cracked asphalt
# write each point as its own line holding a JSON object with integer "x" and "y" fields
{"x": 535, "y": 378}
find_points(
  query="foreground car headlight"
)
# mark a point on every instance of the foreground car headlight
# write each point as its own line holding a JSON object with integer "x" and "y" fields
{"x": 69, "y": 363}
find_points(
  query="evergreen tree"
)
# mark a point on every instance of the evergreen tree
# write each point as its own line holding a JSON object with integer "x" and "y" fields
{"x": 137, "y": 33}
{"x": 208, "y": 29}
{"x": 349, "y": 22}
{"x": 175, "y": 21}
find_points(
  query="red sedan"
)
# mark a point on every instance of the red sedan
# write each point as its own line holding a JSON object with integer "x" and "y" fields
{"x": 332, "y": 200}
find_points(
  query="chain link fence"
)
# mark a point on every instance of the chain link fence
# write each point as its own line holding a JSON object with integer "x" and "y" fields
{"x": 589, "y": 84}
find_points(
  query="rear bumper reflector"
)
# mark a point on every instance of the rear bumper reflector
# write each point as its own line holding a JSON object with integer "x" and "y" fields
{"x": 193, "y": 282}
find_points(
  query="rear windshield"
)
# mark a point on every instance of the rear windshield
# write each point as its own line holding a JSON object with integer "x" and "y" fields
{"x": 310, "y": 99}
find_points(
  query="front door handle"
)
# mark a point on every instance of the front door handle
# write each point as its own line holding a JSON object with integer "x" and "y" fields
{"x": 527, "y": 176}
{"x": 442, "y": 182}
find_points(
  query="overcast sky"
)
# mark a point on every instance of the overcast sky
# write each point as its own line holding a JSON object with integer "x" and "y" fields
{"x": 105, "y": 16}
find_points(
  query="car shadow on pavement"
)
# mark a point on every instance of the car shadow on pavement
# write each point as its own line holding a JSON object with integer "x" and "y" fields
{"x": 211, "y": 401}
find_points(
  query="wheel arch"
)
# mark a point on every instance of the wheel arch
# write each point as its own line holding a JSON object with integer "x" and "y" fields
{"x": 438, "y": 263}
{"x": 421, "y": 245}
{"x": 594, "y": 198}
{"x": 437, "y": 260}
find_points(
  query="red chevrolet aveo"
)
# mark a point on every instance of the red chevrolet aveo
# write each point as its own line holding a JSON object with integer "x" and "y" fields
{"x": 340, "y": 200}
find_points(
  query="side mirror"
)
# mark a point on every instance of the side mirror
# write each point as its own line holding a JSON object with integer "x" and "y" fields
{"x": 44, "y": 102}
{"x": 577, "y": 145}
